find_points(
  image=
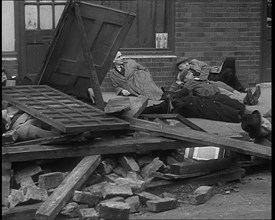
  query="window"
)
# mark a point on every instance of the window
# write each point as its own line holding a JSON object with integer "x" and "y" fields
{"x": 43, "y": 14}
{"x": 152, "y": 29}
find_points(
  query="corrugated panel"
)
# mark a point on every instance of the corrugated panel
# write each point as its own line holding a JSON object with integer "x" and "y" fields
{"x": 60, "y": 110}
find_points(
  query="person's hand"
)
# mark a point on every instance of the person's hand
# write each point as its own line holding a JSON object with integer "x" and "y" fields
{"x": 125, "y": 92}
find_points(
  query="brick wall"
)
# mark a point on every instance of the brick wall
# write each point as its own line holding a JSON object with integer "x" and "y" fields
{"x": 211, "y": 30}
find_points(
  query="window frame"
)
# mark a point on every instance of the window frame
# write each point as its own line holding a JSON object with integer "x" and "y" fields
{"x": 158, "y": 51}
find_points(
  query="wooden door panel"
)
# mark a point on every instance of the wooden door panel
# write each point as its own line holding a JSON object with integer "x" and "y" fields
{"x": 105, "y": 29}
{"x": 60, "y": 110}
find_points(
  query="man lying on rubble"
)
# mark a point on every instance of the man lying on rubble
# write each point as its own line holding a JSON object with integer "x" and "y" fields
{"x": 201, "y": 87}
{"x": 22, "y": 127}
{"x": 258, "y": 127}
{"x": 225, "y": 73}
{"x": 131, "y": 78}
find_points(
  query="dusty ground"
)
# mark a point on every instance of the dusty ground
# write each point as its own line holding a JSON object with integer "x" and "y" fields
{"x": 249, "y": 198}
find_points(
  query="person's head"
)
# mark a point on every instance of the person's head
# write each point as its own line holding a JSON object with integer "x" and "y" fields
{"x": 256, "y": 125}
{"x": 118, "y": 59}
{"x": 183, "y": 63}
{"x": 185, "y": 75}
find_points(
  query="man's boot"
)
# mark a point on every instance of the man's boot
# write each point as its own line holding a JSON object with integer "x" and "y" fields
{"x": 248, "y": 98}
{"x": 256, "y": 95}
{"x": 162, "y": 108}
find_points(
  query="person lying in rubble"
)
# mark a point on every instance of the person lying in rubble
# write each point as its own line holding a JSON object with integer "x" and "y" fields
{"x": 22, "y": 126}
{"x": 199, "y": 87}
{"x": 130, "y": 78}
{"x": 225, "y": 73}
{"x": 258, "y": 127}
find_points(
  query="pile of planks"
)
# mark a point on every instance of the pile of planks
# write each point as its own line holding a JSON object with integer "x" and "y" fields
{"x": 117, "y": 168}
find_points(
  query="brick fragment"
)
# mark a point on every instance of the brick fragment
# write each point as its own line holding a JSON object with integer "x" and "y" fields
{"x": 114, "y": 199}
{"x": 201, "y": 195}
{"x": 161, "y": 205}
{"x": 112, "y": 177}
{"x": 50, "y": 180}
{"x": 85, "y": 198}
{"x": 34, "y": 193}
{"x": 134, "y": 203}
{"x": 114, "y": 210}
{"x": 151, "y": 168}
{"x": 72, "y": 209}
{"x": 96, "y": 189}
{"x": 28, "y": 181}
{"x": 121, "y": 171}
{"x": 88, "y": 214}
{"x": 28, "y": 171}
{"x": 136, "y": 185}
{"x": 134, "y": 175}
{"x": 144, "y": 160}
{"x": 129, "y": 163}
{"x": 146, "y": 196}
{"x": 106, "y": 166}
{"x": 16, "y": 197}
{"x": 112, "y": 190}
{"x": 187, "y": 167}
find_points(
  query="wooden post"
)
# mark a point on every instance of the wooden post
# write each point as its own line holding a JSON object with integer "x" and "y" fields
{"x": 64, "y": 192}
{"x": 89, "y": 59}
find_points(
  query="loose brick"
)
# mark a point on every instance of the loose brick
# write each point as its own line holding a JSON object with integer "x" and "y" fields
{"x": 34, "y": 193}
{"x": 121, "y": 171}
{"x": 129, "y": 163}
{"x": 16, "y": 197}
{"x": 28, "y": 171}
{"x": 136, "y": 185}
{"x": 187, "y": 167}
{"x": 148, "y": 171}
{"x": 142, "y": 161}
{"x": 72, "y": 209}
{"x": 134, "y": 203}
{"x": 28, "y": 181}
{"x": 93, "y": 179}
{"x": 88, "y": 214}
{"x": 96, "y": 189}
{"x": 106, "y": 166}
{"x": 161, "y": 205}
{"x": 201, "y": 195}
{"x": 146, "y": 196}
{"x": 114, "y": 210}
{"x": 50, "y": 180}
{"x": 112, "y": 190}
{"x": 134, "y": 175}
{"x": 85, "y": 198}
{"x": 112, "y": 177}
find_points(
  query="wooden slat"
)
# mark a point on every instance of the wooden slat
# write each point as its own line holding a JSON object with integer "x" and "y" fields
{"x": 174, "y": 116}
{"x": 60, "y": 110}
{"x": 64, "y": 192}
{"x": 137, "y": 105}
{"x": 121, "y": 145}
{"x": 201, "y": 138}
{"x": 235, "y": 173}
{"x": 25, "y": 212}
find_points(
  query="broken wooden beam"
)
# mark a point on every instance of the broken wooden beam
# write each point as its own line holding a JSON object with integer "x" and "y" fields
{"x": 230, "y": 174}
{"x": 201, "y": 138}
{"x": 23, "y": 212}
{"x": 176, "y": 117}
{"x": 137, "y": 105}
{"x": 117, "y": 104}
{"x": 64, "y": 192}
{"x": 121, "y": 145}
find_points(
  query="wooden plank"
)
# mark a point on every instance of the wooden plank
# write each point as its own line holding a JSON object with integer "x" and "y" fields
{"x": 24, "y": 212}
{"x": 6, "y": 175}
{"x": 174, "y": 116}
{"x": 60, "y": 110}
{"x": 64, "y": 192}
{"x": 235, "y": 173}
{"x": 117, "y": 104}
{"x": 201, "y": 138}
{"x": 89, "y": 59}
{"x": 121, "y": 145}
{"x": 137, "y": 105}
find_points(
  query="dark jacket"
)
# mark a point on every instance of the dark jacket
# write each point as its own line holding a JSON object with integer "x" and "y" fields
{"x": 217, "y": 107}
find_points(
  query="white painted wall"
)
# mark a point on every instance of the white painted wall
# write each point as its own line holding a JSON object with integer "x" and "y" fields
{"x": 8, "y": 27}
